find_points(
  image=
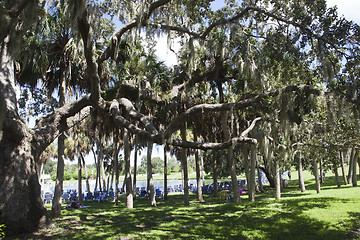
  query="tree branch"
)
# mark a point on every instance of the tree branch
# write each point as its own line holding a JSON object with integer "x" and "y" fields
{"x": 109, "y": 51}
{"x": 48, "y": 127}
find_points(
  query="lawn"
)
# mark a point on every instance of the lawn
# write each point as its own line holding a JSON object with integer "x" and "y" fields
{"x": 332, "y": 214}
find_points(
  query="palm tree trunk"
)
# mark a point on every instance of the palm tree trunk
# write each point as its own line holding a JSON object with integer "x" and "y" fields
{"x": 165, "y": 172}
{"x": 261, "y": 187}
{"x": 128, "y": 182}
{"x": 232, "y": 163}
{"x": 316, "y": 175}
{"x": 150, "y": 181}
{"x": 246, "y": 165}
{"x": 183, "y": 159}
{"x": 343, "y": 168}
{"x": 85, "y": 172}
{"x": 215, "y": 174}
{"x": 277, "y": 180}
{"x": 337, "y": 176}
{"x": 79, "y": 181}
{"x": 252, "y": 174}
{"x": 354, "y": 177}
{"x": 321, "y": 171}
{"x": 135, "y": 167}
{"x": 202, "y": 168}
{"x": 56, "y": 204}
{"x": 350, "y": 172}
{"x": 97, "y": 169}
{"x": 116, "y": 165}
{"x": 300, "y": 173}
{"x": 197, "y": 168}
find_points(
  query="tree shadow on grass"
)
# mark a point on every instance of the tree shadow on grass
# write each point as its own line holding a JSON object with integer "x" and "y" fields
{"x": 283, "y": 219}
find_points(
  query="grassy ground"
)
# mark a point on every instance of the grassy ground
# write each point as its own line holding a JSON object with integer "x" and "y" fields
{"x": 332, "y": 214}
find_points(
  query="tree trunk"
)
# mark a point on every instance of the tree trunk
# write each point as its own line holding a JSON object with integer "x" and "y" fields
{"x": 86, "y": 173}
{"x": 246, "y": 165}
{"x": 338, "y": 183}
{"x": 261, "y": 187}
{"x": 79, "y": 181}
{"x": 268, "y": 175}
{"x": 343, "y": 168}
{"x": 350, "y": 172}
{"x": 354, "y": 177}
{"x": 20, "y": 192}
{"x": 202, "y": 168}
{"x": 165, "y": 172}
{"x": 215, "y": 174}
{"x": 56, "y": 204}
{"x": 150, "y": 180}
{"x": 300, "y": 173}
{"x": 232, "y": 162}
{"x": 321, "y": 171}
{"x": 316, "y": 175}
{"x": 97, "y": 169}
{"x": 252, "y": 174}
{"x": 128, "y": 182}
{"x": 135, "y": 167}
{"x": 116, "y": 166}
{"x": 197, "y": 168}
{"x": 183, "y": 159}
{"x": 277, "y": 180}
{"x": 101, "y": 164}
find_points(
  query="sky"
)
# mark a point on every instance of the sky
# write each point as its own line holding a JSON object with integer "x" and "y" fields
{"x": 347, "y": 8}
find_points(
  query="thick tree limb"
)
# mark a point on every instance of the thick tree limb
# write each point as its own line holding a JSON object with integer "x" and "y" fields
{"x": 48, "y": 127}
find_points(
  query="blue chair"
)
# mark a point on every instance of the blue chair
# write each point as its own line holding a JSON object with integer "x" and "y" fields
{"x": 48, "y": 197}
{"x": 144, "y": 194}
{"x": 66, "y": 197}
{"x": 111, "y": 195}
{"x": 89, "y": 196}
{"x": 159, "y": 194}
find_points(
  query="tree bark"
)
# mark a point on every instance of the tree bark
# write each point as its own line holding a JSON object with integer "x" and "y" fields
{"x": 261, "y": 187}
{"x": 165, "y": 173}
{"x": 56, "y": 204}
{"x": 350, "y": 171}
{"x": 300, "y": 173}
{"x": 338, "y": 183}
{"x": 321, "y": 171}
{"x": 183, "y": 159}
{"x": 343, "y": 168}
{"x": 316, "y": 175}
{"x": 246, "y": 165}
{"x": 202, "y": 168}
{"x": 116, "y": 165}
{"x": 354, "y": 177}
{"x": 79, "y": 181}
{"x": 97, "y": 169}
{"x": 197, "y": 168}
{"x": 86, "y": 173}
{"x": 135, "y": 167}
{"x": 232, "y": 162}
{"x": 252, "y": 174}
{"x": 128, "y": 182}
{"x": 20, "y": 192}
{"x": 277, "y": 180}
{"x": 215, "y": 177}
{"x": 150, "y": 180}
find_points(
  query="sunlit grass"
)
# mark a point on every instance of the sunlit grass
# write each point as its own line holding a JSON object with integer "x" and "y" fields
{"x": 332, "y": 214}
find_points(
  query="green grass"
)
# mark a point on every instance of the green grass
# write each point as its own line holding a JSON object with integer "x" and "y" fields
{"x": 332, "y": 214}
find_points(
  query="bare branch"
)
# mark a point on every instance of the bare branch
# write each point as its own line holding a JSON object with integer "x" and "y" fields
{"x": 251, "y": 127}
